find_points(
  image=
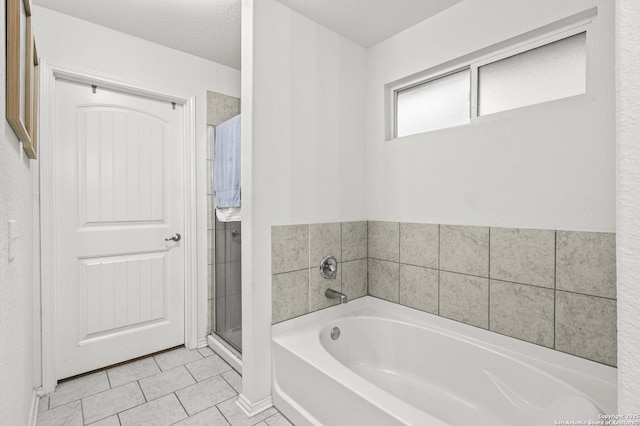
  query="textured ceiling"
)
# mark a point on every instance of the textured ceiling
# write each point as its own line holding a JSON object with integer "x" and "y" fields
{"x": 206, "y": 28}
{"x": 368, "y": 22}
{"x": 211, "y": 28}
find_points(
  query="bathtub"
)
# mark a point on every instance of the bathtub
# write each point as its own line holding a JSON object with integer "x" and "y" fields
{"x": 393, "y": 365}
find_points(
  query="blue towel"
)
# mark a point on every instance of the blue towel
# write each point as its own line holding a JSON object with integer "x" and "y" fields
{"x": 226, "y": 164}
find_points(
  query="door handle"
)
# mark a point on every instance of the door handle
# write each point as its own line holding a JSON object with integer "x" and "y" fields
{"x": 175, "y": 237}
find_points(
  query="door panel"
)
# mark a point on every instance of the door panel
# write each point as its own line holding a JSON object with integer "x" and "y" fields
{"x": 119, "y": 183}
{"x": 113, "y": 138}
{"x": 120, "y": 291}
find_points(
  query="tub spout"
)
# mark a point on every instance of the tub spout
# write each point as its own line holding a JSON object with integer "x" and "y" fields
{"x": 332, "y": 294}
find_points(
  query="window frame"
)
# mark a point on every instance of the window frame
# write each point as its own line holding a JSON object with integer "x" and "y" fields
{"x": 420, "y": 82}
{"x": 476, "y": 61}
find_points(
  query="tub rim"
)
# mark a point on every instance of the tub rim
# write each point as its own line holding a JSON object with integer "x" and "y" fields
{"x": 577, "y": 372}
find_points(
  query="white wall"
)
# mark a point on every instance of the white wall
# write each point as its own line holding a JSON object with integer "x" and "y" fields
{"x": 549, "y": 166}
{"x": 628, "y": 202}
{"x": 73, "y": 42}
{"x": 303, "y": 149}
{"x": 17, "y": 380}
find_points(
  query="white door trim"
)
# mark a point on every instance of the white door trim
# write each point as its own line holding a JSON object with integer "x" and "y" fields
{"x": 49, "y": 72}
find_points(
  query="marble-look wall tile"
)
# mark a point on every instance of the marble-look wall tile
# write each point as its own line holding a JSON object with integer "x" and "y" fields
{"x": 210, "y": 132}
{"x": 586, "y": 263}
{"x": 289, "y": 248}
{"x": 318, "y": 285}
{"x": 234, "y": 311}
{"x": 209, "y": 178}
{"x": 419, "y": 244}
{"x": 221, "y": 107}
{"x": 210, "y": 212}
{"x": 211, "y": 316}
{"x": 495, "y": 278}
{"x": 233, "y": 278}
{"x": 525, "y": 256}
{"x": 384, "y": 241}
{"x": 219, "y": 252}
{"x": 354, "y": 240}
{"x": 384, "y": 279}
{"x": 586, "y": 327}
{"x": 522, "y": 311}
{"x": 419, "y": 288}
{"x": 220, "y": 272}
{"x": 221, "y": 313}
{"x": 210, "y": 247}
{"x": 324, "y": 240}
{"x": 210, "y": 275}
{"x": 289, "y": 295}
{"x": 465, "y": 249}
{"x": 234, "y": 244}
{"x": 354, "y": 278}
{"x": 464, "y": 298}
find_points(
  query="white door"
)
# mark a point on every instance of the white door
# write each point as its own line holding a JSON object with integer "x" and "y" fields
{"x": 119, "y": 192}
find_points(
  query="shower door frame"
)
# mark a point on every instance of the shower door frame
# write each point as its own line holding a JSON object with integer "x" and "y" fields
{"x": 50, "y": 72}
{"x": 223, "y": 347}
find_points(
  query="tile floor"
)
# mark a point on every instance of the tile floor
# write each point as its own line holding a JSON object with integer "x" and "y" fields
{"x": 179, "y": 387}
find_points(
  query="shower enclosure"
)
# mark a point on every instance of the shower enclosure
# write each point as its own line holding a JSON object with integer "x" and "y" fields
{"x": 227, "y": 310}
{"x": 224, "y": 243}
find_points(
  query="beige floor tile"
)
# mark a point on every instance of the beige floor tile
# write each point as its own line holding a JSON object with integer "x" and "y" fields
{"x": 209, "y": 417}
{"x": 109, "y": 421}
{"x": 160, "y": 412}
{"x": 43, "y": 404}
{"x": 236, "y": 416}
{"x": 65, "y": 415}
{"x": 203, "y": 395}
{"x": 79, "y": 388}
{"x": 174, "y": 397}
{"x": 108, "y": 403}
{"x": 207, "y": 367}
{"x": 132, "y": 371}
{"x": 166, "y": 382}
{"x": 206, "y": 351}
{"x": 234, "y": 379}
{"x": 278, "y": 420}
{"x": 176, "y": 357}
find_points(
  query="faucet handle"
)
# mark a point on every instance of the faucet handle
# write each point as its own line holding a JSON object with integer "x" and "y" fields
{"x": 329, "y": 268}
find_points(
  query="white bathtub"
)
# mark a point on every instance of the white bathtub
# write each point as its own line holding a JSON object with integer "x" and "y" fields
{"x": 393, "y": 365}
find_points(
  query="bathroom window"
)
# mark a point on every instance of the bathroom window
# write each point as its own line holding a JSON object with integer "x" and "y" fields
{"x": 545, "y": 69}
{"x": 434, "y": 104}
{"x": 553, "y": 71}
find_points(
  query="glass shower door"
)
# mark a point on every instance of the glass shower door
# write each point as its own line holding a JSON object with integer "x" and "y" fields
{"x": 228, "y": 283}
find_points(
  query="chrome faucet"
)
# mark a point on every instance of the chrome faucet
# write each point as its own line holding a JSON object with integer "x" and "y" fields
{"x": 332, "y": 294}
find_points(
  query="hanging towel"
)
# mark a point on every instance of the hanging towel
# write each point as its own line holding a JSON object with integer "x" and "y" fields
{"x": 226, "y": 164}
{"x": 229, "y": 214}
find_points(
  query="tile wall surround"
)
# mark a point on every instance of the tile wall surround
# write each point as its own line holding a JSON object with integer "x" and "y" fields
{"x": 296, "y": 251}
{"x": 553, "y": 288}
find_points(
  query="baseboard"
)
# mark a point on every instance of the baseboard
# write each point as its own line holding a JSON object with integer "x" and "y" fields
{"x": 256, "y": 408}
{"x": 33, "y": 411}
{"x": 202, "y": 342}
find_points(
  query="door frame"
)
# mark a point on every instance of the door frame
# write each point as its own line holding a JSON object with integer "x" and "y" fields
{"x": 50, "y": 71}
